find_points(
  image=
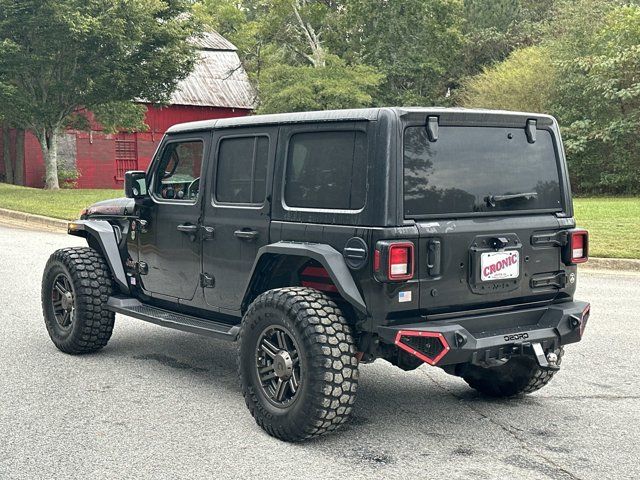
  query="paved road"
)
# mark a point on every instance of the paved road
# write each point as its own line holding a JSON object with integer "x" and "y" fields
{"x": 163, "y": 404}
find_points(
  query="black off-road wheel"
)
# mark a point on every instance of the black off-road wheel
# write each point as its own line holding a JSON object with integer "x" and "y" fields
{"x": 75, "y": 288}
{"x": 518, "y": 376}
{"x": 297, "y": 363}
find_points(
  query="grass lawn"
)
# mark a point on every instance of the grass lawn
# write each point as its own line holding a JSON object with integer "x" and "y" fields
{"x": 613, "y": 224}
{"x": 65, "y": 204}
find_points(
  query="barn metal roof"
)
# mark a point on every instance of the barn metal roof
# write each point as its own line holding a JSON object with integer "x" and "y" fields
{"x": 218, "y": 79}
{"x": 212, "y": 41}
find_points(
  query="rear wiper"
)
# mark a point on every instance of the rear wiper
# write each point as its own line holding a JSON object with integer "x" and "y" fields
{"x": 491, "y": 200}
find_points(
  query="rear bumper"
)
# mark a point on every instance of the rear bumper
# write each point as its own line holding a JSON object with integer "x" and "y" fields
{"x": 482, "y": 338}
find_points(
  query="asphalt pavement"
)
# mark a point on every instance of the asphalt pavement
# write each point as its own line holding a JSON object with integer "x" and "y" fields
{"x": 161, "y": 404}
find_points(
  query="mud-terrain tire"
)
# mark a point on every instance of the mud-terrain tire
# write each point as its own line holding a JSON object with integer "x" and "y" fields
{"x": 308, "y": 326}
{"x": 76, "y": 285}
{"x": 519, "y": 376}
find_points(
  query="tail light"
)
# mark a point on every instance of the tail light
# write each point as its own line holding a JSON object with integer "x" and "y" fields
{"x": 429, "y": 347}
{"x": 401, "y": 261}
{"x": 578, "y": 246}
{"x": 394, "y": 261}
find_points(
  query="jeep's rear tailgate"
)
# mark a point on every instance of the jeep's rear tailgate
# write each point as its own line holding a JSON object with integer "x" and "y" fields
{"x": 460, "y": 267}
{"x": 490, "y": 200}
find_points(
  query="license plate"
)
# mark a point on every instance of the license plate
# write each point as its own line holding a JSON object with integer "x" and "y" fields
{"x": 499, "y": 265}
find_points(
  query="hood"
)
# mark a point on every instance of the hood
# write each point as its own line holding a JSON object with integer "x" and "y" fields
{"x": 114, "y": 206}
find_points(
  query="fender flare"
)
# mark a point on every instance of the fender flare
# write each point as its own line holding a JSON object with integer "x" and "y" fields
{"x": 327, "y": 256}
{"x": 102, "y": 232}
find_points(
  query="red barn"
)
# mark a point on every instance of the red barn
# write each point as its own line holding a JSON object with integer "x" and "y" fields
{"x": 217, "y": 88}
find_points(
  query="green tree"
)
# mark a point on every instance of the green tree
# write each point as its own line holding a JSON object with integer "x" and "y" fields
{"x": 525, "y": 81}
{"x": 415, "y": 44}
{"x": 244, "y": 23}
{"x": 586, "y": 74}
{"x": 286, "y": 48}
{"x": 334, "y": 85}
{"x": 598, "y": 99}
{"x": 494, "y": 28}
{"x": 60, "y": 59}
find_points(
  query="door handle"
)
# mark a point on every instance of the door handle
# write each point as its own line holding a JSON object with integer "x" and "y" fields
{"x": 186, "y": 228}
{"x": 246, "y": 234}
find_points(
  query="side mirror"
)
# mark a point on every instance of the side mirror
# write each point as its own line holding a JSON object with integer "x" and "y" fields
{"x": 135, "y": 184}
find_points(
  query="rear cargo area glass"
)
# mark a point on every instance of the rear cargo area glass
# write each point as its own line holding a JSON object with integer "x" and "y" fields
{"x": 457, "y": 173}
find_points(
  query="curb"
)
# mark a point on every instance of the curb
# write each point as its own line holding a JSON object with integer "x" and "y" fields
{"x": 594, "y": 263}
{"x": 598, "y": 263}
{"x": 33, "y": 220}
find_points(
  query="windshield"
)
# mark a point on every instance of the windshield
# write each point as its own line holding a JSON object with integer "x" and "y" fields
{"x": 479, "y": 169}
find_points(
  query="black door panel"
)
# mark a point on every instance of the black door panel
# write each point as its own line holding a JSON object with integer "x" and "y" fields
{"x": 172, "y": 256}
{"x": 170, "y": 245}
{"x": 237, "y": 210}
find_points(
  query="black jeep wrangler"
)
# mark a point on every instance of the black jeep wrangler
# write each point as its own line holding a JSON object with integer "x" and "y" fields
{"x": 321, "y": 240}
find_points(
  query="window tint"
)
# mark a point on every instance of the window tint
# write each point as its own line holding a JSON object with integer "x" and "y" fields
{"x": 326, "y": 170}
{"x": 178, "y": 175}
{"x": 476, "y": 169}
{"x": 242, "y": 170}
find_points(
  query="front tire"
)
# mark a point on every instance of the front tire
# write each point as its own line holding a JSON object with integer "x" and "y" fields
{"x": 75, "y": 288}
{"x": 297, "y": 363}
{"x": 518, "y": 376}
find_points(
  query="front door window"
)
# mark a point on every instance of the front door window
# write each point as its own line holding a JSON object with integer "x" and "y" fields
{"x": 178, "y": 177}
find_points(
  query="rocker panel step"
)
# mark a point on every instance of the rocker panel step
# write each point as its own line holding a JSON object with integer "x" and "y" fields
{"x": 178, "y": 321}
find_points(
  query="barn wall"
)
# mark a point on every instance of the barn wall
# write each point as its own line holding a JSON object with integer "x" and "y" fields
{"x": 2, "y": 169}
{"x": 13, "y": 134}
{"x": 33, "y": 162}
{"x": 160, "y": 119}
{"x": 95, "y": 160}
{"x": 95, "y": 155}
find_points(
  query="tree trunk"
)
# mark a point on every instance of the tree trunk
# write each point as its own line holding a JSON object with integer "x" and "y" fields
{"x": 18, "y": 175}
{"x": 317, "y": 57}
{"x": 49, "y": 144}
{"x": 6, "y": 154}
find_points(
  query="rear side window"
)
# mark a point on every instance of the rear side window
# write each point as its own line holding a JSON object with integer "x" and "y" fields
{"x": 242, "y": 170}
{"x": 326, "y": 170}
{"x": 479, "y": 169}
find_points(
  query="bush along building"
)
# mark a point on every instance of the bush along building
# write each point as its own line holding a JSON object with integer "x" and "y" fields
{"x": 217, "y": 88}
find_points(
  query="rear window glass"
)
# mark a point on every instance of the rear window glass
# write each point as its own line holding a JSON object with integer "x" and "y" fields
{"x": 242, "y": 170}
{"x": 479, "y": 169}
{"x": 326, "y": 170}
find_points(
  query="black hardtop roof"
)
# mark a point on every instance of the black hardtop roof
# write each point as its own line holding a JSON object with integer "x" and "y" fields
{"x": 446, "y": 115}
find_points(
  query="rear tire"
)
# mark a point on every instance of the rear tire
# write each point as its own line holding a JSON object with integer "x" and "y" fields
{"x": 519, "y": 376}
{"x": 75, "y": 288}
{"x": 297, "y": 336}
